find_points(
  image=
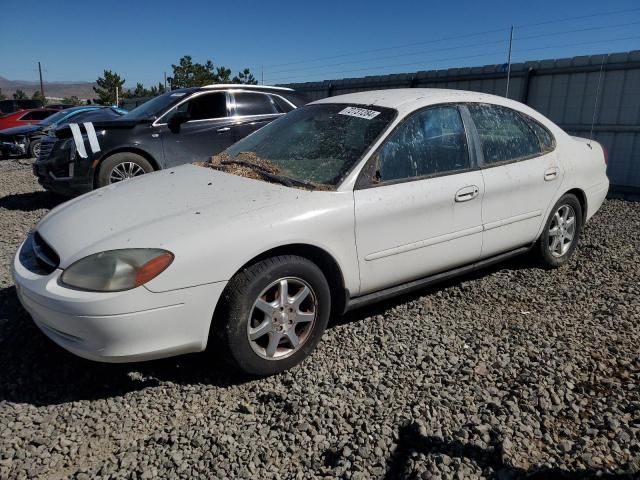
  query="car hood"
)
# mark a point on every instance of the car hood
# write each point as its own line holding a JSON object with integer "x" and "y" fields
{"x": 157, "y": 210}
{"x": 22, "y": 130}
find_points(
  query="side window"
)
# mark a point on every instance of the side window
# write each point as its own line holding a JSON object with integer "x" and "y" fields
{"x": 250, "y": 103}
{"x": 40, "y": 115}
{"x": 429, "y": 142}
{"x": 211, "y": 105}
{"x": 202, "y": 107}
{"x": 27, "y": 116}
{"x": 504, "y": 135}
{"x": 544, "y": 136}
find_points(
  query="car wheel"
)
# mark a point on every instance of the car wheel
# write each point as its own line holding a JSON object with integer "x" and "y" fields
{"x": 4, "y": 154}
{"x": 122, "y": 166}
{"x": 34, "y": 148}
{"x": 273, "y": 314}
{"x": 561, "y": 232}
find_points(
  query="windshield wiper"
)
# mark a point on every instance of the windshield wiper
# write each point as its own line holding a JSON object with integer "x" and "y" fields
{"x": 286, "y": 181}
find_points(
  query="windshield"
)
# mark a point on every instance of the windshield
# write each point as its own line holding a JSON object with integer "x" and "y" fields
{"x": 315, "y": 145}
{"x": 152, "y": 109}
{"x": 55, "y": 118}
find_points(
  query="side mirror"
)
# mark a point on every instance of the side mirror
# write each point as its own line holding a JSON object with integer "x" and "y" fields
{"x": 178, "y": 119}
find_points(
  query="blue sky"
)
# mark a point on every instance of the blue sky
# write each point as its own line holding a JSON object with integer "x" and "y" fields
{"x": 76, "y": 40}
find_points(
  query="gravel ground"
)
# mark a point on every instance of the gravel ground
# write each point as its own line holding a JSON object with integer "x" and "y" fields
{"x": 515, "y": 372}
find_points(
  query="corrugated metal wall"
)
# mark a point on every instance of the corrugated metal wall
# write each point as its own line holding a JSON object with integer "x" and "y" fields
{"x": 564, "y": 90}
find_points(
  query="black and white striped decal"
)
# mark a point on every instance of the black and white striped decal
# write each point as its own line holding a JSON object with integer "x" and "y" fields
{"x": 79, "y": 141}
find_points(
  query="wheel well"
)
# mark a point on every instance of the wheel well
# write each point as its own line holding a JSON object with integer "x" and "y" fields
{"x": 582, "y": 198}
{"x": 137, "y": 151}
{"x": 323, "y": 260}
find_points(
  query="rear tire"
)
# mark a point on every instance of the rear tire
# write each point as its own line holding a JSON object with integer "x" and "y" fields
{"x": 561, "y": 232}
{"x": 262, "y": 330}
{"x": 122, "y": 166}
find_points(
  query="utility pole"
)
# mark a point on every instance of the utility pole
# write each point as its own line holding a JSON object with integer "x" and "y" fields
{"x": 165, "y": 81}
{"x": 262, "y": 74}
{"x": 41, "y": 85}
{"x": 117, "y": 97}
{"x": 506, "y": 93}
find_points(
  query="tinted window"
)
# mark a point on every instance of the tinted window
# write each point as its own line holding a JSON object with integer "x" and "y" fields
{"x": 504, "y": 135}
{"x": 202, "y": 107}
{"x": 211, "y": 105}
{"x": 250, "y": 103}
{"x": 544, "y": 136}
{"x": 36, "y": 115}
{"x": 430, "y": 142}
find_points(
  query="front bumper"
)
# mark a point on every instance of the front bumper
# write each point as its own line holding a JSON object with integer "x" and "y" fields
{"x": 59, "y": 170}
{"x": 127, "y": 326}
{"x": 13, "y": 147}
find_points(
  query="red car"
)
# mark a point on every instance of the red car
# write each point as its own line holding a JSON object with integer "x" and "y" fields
{"x": 25, "y": 117}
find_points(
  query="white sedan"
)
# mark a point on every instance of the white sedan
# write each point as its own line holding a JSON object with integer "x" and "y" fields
{"x": 348, "y": 200}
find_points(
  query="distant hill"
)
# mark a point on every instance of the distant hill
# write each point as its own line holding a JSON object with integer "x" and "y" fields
{"x": 82, "y": 90}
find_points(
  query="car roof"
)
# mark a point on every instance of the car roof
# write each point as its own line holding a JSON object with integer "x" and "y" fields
{"x": 408, "y": 99}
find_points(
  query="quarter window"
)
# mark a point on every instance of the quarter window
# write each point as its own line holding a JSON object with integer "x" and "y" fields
{"x": 544, "y": 136}
{"x": 504, "y": 135}
{"x": 283, "y": 105}
{"x": 429, "y": 142}
{"x": 249, "y": 103}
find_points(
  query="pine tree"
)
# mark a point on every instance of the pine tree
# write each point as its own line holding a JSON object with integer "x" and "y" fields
{"x": 106, "y": 87}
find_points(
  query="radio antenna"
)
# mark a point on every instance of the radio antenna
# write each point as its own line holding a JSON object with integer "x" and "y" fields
{"x": 595, "y": 102}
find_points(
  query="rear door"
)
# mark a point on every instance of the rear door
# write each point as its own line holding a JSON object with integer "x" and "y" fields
{"x": 252, "y": 110}
{"x": 419, "y": 211}
{"x": 521, "y": 175}
{"x": 206, "y": 134}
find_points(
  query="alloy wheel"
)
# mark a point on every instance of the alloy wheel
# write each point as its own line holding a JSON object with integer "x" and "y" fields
{"x": 125, "y": 171}
{"x": 282, "y": 318}
{"x": 562, "y": 230}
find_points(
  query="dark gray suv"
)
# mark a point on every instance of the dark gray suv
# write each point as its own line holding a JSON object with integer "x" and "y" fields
{"x": 180, "y": 126}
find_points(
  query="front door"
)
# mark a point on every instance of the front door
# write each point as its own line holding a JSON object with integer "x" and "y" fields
{"x": 207, "y": 133}
{"x": 419, "y": 213}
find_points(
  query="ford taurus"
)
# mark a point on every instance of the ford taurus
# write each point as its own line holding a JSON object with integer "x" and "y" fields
{"x": 342, "y": 202}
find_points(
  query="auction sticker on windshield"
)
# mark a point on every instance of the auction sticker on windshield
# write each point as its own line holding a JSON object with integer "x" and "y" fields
{"x": 359, "y": 112}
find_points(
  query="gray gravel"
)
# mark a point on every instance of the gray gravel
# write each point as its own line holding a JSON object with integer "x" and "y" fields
{"x": 515, "y": 372}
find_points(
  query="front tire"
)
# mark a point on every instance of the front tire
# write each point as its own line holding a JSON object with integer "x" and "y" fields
{"x": 561, "y": 232}
{"x": 34, "y": 148}
{"x": 273, "y": 314}
{"x": 122, "y": 166}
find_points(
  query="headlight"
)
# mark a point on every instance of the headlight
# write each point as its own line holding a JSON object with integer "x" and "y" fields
{"x": 117, "y": 270}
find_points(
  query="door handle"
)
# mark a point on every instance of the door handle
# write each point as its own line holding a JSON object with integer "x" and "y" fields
{"x": 467, "y": 193}
{"x": 223, "y": 129}
{"x": 550, "y": 174}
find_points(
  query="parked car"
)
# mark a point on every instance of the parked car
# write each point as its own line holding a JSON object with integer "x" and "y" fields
{"x": 348, "y": 200}
{"x": 95, "y": 115}
{"x": 26, "y": 139}
{"x": 25, "y": 117}
{"x": 181, "y": 126}
{"x": 10, "y": 106}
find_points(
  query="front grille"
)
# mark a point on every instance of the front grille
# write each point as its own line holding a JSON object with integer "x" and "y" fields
{"x": 37, "y": 256}
{"x": 46, "y": 146}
